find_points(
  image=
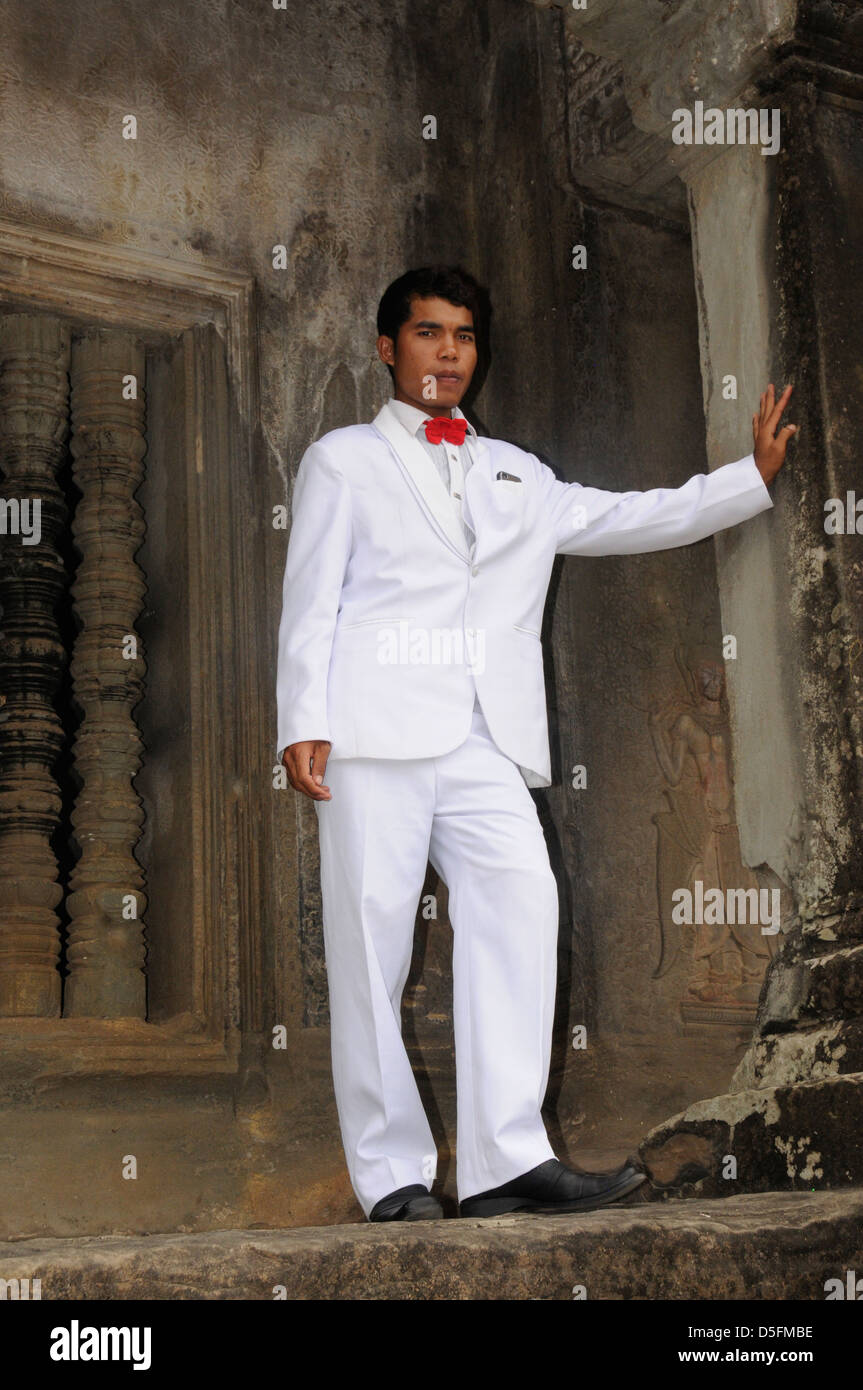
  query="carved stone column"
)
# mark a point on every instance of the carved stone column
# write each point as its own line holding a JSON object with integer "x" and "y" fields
{"x": 34, "y": 388}
{"x": 106, "y": 934}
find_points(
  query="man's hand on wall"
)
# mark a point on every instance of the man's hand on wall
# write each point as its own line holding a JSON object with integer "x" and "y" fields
{"x": 305, "y": 764}
{"x": 770, "y": 451}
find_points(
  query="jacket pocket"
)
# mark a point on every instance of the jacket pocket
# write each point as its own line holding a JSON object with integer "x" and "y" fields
{"x": 372, "y": 622}
{"x": 532, "y": 632}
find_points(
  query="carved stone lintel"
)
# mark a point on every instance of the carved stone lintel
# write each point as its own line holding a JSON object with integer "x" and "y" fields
{"x": 631, "y": 64}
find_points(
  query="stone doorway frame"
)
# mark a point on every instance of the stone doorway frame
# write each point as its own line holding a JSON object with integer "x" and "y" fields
{"x": 211, "y": 378}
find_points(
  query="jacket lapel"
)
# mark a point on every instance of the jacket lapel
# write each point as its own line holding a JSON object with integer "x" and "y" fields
{"x": 477, "y": 471}
{"x": 423, "y": 478}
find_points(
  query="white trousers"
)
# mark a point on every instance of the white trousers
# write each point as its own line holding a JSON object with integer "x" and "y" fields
{"x": 469, "y": 813}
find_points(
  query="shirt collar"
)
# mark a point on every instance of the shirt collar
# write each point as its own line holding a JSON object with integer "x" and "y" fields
{"x": 413, "y": 419}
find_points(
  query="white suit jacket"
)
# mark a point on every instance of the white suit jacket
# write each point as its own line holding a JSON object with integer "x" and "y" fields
{"x": 390, "y": 626}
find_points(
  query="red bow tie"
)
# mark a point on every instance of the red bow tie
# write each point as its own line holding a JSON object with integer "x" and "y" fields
{"x": 443, "y": 427}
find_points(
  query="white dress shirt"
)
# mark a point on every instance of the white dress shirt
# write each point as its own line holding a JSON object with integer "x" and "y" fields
{"x": 452, "y": 461}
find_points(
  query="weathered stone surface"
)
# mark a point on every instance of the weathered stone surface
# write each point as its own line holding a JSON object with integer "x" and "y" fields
{"x": 685, "y": 1156}
{"x": 835, "y": 983}
{"x": 784, "y": 994}
{"x": 832, "y": 1049}
{"x": 833, "y": 927}
{"x": 802, "y": 988}
{"x": 780, "y": 1137}
{"x": 776, "y": 1246}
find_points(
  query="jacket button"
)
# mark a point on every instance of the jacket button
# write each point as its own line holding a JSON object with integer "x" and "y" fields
{"x": 474, "y": 569}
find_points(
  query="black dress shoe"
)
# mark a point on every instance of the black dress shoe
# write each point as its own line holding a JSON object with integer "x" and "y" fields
{"x": 551, "y": 1187}
{"x": 414, "y": 1203}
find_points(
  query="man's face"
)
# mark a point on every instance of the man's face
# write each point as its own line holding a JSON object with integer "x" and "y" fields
{"x": 434, "y": 356}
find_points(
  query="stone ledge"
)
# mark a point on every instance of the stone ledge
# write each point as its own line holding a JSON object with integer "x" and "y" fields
{"x": 775, "y": 1245}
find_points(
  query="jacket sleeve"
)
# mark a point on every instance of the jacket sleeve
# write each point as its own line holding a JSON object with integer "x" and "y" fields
{"x": 591, "y": 521}
{"x": 319, "y": 547}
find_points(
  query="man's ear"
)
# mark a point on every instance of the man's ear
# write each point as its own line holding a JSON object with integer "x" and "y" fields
{"x": 386, "y": 349}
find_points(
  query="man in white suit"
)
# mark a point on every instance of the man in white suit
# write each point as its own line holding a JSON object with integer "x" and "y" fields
{"x": 410, "y": 673}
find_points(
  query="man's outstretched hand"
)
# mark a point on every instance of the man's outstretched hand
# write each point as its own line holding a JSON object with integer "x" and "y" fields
{"x": 770, "y": 451}
{"x": 305, "y": 764}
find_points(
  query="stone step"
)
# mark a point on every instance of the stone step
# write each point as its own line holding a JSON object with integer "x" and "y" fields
{"x": 775, "y": 1245}
{"x": 763, "y": 1139}
{"x": 843, "y": 927}
{"x": 781, "y": 1059}
{"x": 828, "y": 986}
{"x": 835, "y": 984}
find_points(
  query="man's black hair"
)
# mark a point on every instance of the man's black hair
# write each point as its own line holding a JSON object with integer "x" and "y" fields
{"x": 448, "y": 282}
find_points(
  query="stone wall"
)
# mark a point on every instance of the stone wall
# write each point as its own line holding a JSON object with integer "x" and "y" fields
{"x": 303, "y": 127}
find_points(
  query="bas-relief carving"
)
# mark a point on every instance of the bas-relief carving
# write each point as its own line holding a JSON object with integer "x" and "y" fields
{"x": 609, "y": 154}
{"x": 697, "y": 839}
